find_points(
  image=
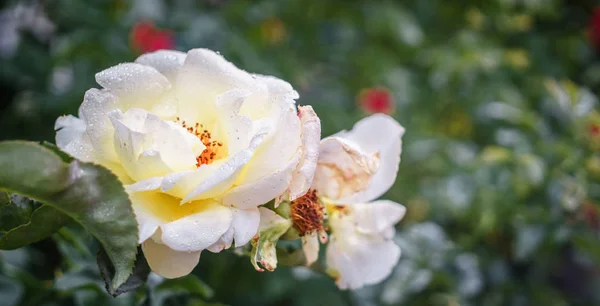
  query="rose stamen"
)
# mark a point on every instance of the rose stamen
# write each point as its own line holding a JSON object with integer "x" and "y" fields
{"x": 308, "y": 214}
{"x": 209, "y": 154}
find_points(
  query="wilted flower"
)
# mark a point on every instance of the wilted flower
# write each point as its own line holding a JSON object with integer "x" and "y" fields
{"x": 272, "y": 226}
{"x": 354, "y": 168}
{"x": 308, "y": 215}
{"x": 199, "y": 145}
{"x": 145, "y": 37}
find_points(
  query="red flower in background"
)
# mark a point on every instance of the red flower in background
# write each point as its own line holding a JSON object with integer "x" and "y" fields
{"x": 145, "y": 37}
{"x": 376, "y": 100}
{"x": 594, "y": 130}
{"x": 594, "y": 28}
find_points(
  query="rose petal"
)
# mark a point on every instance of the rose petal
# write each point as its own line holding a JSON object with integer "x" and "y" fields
{"x": 244, "y": 226}
{"x": 311, "y": 135}
{"x": 167, "y": 262}
{"x": 71, "y": 137}
{"x": 343, "y": 168}
{"x": 310, "y": 247}
{"x": 358, "y": 261}
{"x": 167, "y": 62}
{"x": 198, "y": 231}
{"x": 148, "y": 223}
{"x": 136, "y": 85}
{"x": 262, "y": 190}
{"x": 148, "y": 146}
{"x": 94, "y": 111}
{"x": 205, "y": 75}
{"x": 269, "y": 218}
{"x": 277, "y": 86}
{"x": 225, "y": 176}
{"x": 280, "y": 145}
{"x": 238, "y": 129}
{"x": 377, "y": 133}
{"x": 129, "y": 145}
{"x": 378, "y": 217}
{"x": 223, "y": 243}
{"x": 69, "y": 128}
{"x": 152, "y": 183}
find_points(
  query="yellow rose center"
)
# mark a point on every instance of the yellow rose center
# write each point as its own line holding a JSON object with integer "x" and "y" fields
{"x": 214, "y": 149}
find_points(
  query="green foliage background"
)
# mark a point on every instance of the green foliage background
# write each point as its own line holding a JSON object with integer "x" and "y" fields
{"x": 500, "y": 171}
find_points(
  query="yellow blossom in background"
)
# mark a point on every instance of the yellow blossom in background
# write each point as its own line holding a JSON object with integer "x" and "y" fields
{"x": 457, "y": 124}
{"x": 475, "y": 18}
{"x": 273, "y": 30}
{"x": 517, "y": 58}
{"x": 522, "y": 22}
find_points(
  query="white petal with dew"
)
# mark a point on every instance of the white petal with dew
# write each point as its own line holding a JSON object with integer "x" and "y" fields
{"x": 71, "y": 137}
{"x": 244, "y": 226}
{"x": 238, "y": 128}
{"x": 167, "y": 62}
{"x": 310, "y": 246}
{"x": 226, "y": 175}
{"x": 278, "y": 87}
{"x": 262, "y": 190}
{"x": 378, "y": 217}
{"x": 280, "y": 145}
{"x": 94, "y": 111}
{"x": 167, "y": 262}
{"x": 311, "y": 135}
{"x": 136, "y": 85}
{"x": 205, "y": 75}
{"x": 343, "y": 168}
{"x": 360, "y": 261}
{"x": 198, "y": 231}
{"x": 377, "y": 133}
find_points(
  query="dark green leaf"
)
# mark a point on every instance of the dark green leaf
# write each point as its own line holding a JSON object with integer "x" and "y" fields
{"x": 4, "y": 199}
{"x": 199, "y": 302}
{"x": 290, "y": 257}
{"x": 183, "y": 286}
{"x": 188, "y": 284}
{"x": 137, "y": 278}
{"x": 44, "y": 222}
{"x": 86, "y": 277}
{"x": 88, "y": 193}
{"x": 16, "y": 213}
{"x": 52, "y": 147}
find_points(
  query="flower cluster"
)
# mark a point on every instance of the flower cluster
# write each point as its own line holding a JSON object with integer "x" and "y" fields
{"x": 210, "y": 155}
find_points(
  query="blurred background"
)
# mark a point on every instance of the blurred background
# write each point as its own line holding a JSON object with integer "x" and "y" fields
{"x": 500, "y": 168}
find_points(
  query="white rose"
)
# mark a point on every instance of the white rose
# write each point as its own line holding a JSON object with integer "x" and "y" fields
{"x": 354, "y": 168}
{"x": 199, "y": 145}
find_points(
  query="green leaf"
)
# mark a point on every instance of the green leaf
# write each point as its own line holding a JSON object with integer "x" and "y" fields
{"x": 85, "y": 277}
{"x": 188, "y": 284}
{"x": 272, "y": 226}
{"x": 63, "y": 155}
{"x": 138, "y": 277}
{"x": 24, "y": 221}
{"x": 199, "y": 302}
{"x": 44, "y": 222}
{"x": 16, "y": 213}
{"x": 183, "y": 286}
{"x": 4, "y": 199}
{"x": 89, "y": 194}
